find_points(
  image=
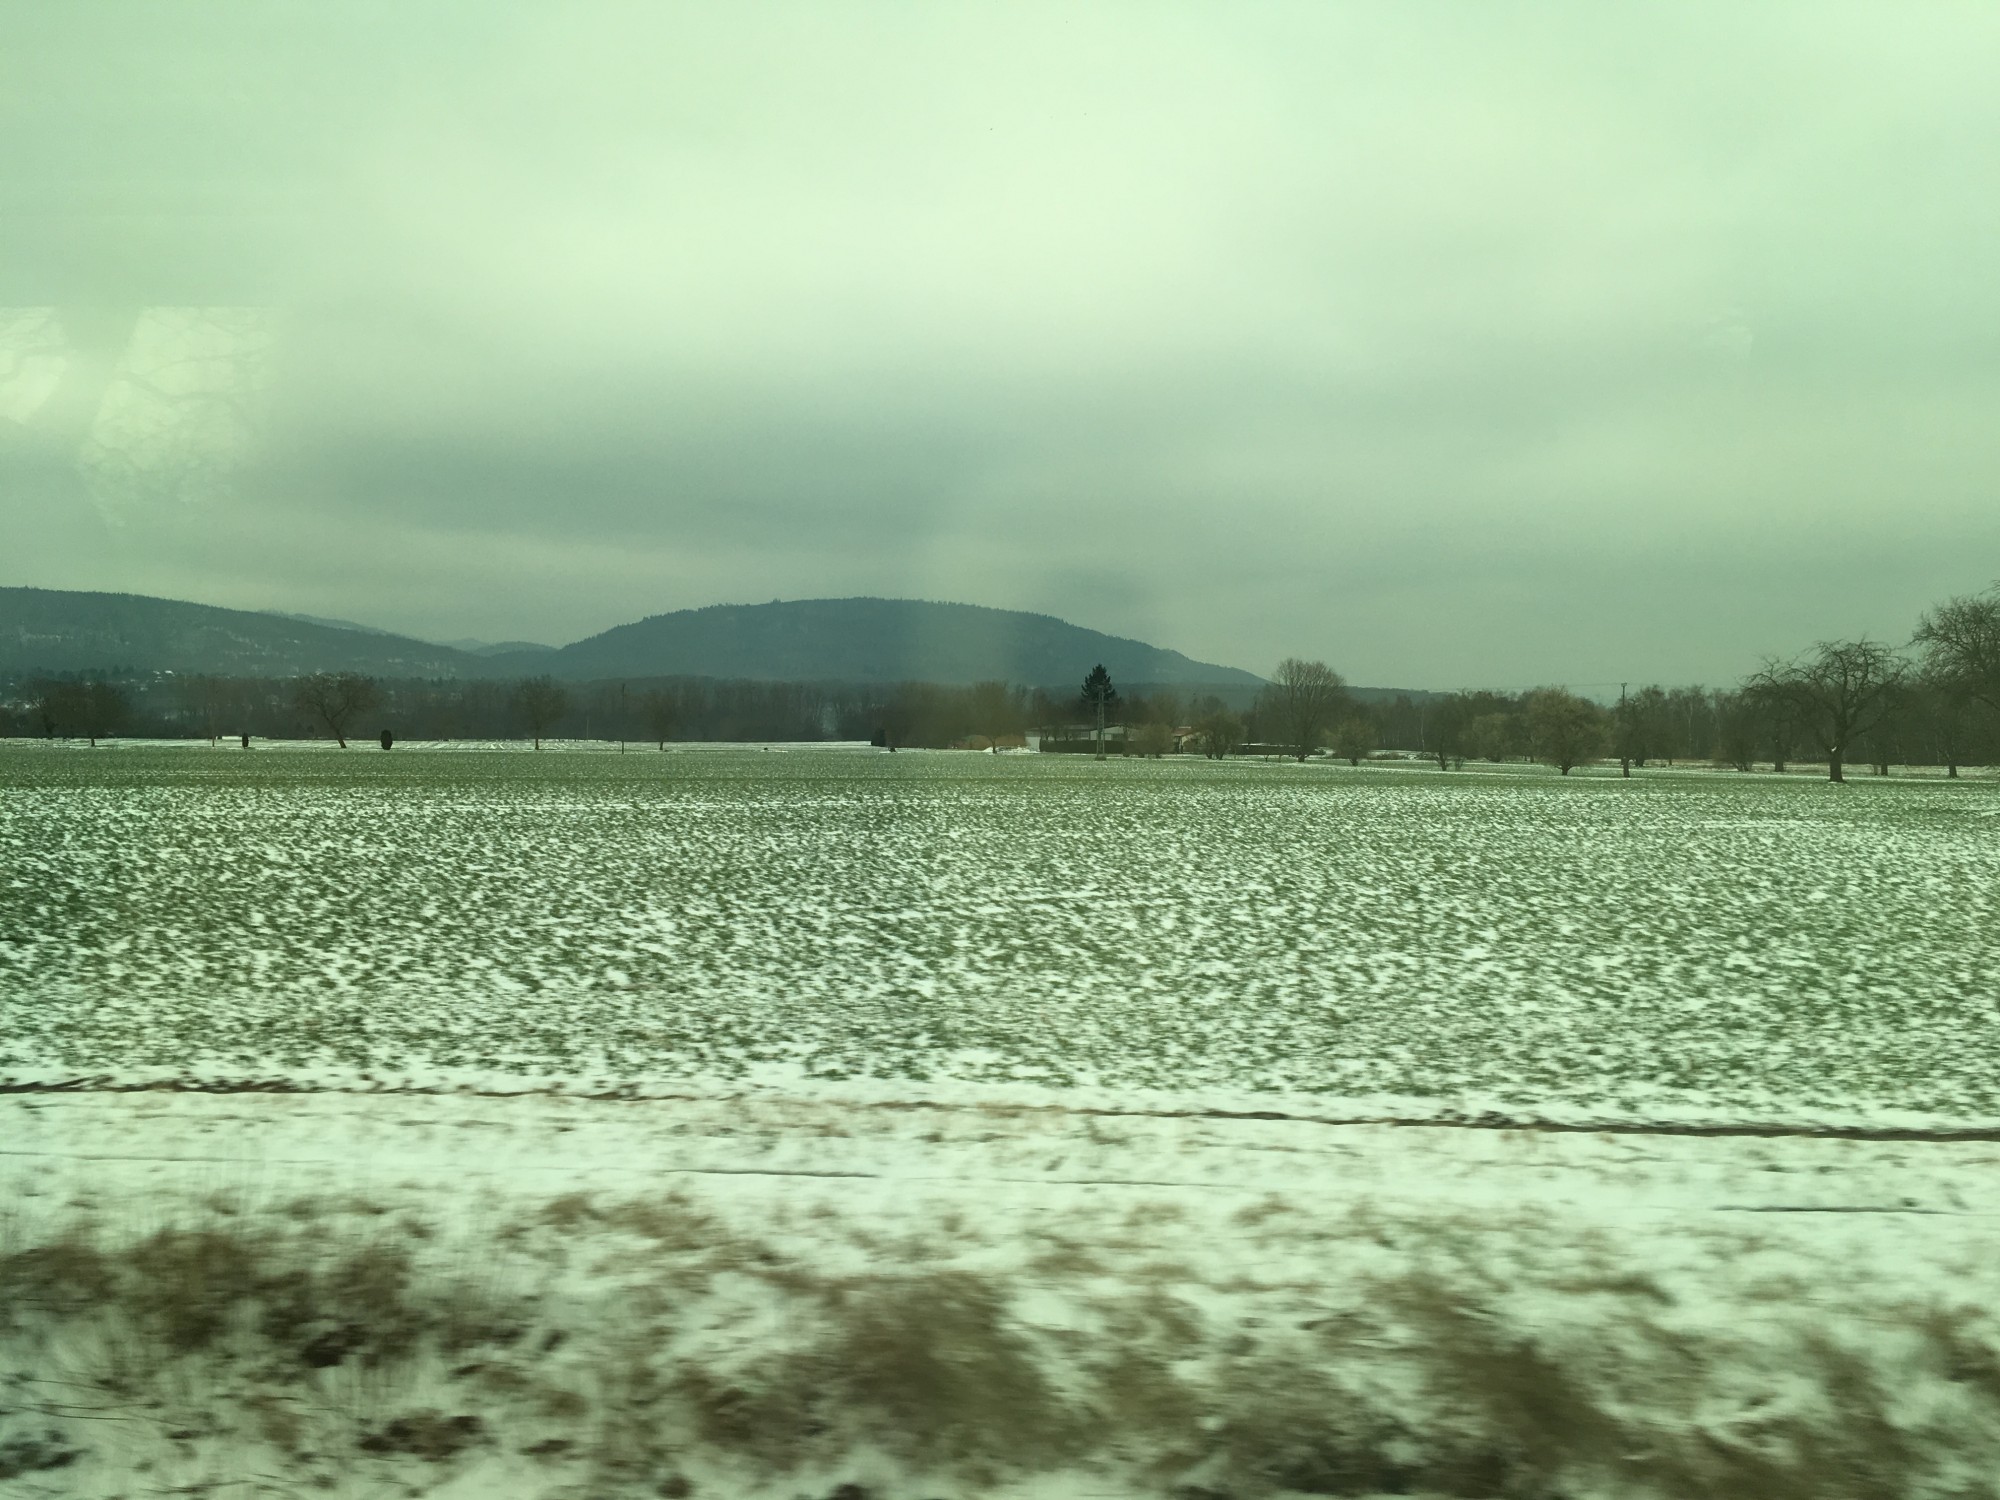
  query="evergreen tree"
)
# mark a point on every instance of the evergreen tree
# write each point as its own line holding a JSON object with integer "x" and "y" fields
{"x": 1099, "y": 694}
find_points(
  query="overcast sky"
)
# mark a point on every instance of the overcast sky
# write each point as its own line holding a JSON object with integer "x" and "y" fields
{"x": 1455, "y": 344}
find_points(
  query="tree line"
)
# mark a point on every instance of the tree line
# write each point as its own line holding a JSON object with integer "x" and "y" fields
{"x": 344, "y": 705}
{"x": 341, "y": 706}
{"x": 1308, "y": 710}
{"x": 1933, "y": 701}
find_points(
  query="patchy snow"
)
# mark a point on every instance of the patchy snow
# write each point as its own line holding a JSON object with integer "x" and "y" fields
{"x": 759, "y": 1123}
{"x": 1220, "y": 1248}
{"x": 1357, "y": 942}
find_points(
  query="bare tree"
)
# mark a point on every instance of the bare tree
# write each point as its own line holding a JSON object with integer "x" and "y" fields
{"x": 1961, "y": 644}
{"x": 1354, "y": 738}
{"x": 1689, "y": 725}
{"x": 1774, "y": 717}
{"x": 1493, "y": 737}
{"x": 541, "y": 701}
{"x": 1099, "y": 695}
{"x": 1564, "y": 729}
{"x": 1302, "y": 702}
{"x": 1839, "y": 693}
{"x": 1944, "y": 715}
{"x": 998, "y": 712}
{"x": 1444, "y": 728}
{"x": 46, "y": 706}
{"x": 1737, "y": 726}
{"x": 1153, "y": 738}
{"x": 202, "y": 698}
{"x": 1217, "y": 732}
{"x": 334, "y": 698}
{"x": 662, "y": 715}
{"x": 607, "y": 710}
{"x": 1639, "y": 727}
{"x": 1887, "y": 741}
{"x": 91, "y": 710}
{"x": 102, "y": 709}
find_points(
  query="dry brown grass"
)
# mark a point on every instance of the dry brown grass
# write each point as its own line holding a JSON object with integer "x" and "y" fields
{"x": 314, "y": 1304}
{"x": 1286, "y": 1424}
{"x": 1525, "y": 1414}
{"x": 67, "y": 1276}
{"x": 1514, "y": 1416}
{"x": 929, "y": 1368}
{"x": 770, "y": 1412}
{"x": 670, "y": 1221}
{"x": 1064, "y": 1262}
{"x": 1429, "y": 1381}
{"x": 425, "y": 1433}
{"x": 1613, "y": 1284}
{"x": 940, "y": 1374}
{"x": 1254, "y": 1215}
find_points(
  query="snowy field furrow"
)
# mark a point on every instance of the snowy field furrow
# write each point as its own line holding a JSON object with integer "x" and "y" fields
{"x": 819, "y": 1124}
{"x": 1684, "y": 944}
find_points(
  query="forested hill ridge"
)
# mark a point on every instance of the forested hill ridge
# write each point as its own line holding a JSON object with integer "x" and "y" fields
{"x": 64, "y": 631}
{"x": 811, "y": 640}
{"x": 870, "y": 640}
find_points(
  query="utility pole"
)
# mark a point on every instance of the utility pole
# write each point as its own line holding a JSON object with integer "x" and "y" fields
{"x": 1624, "y": 737}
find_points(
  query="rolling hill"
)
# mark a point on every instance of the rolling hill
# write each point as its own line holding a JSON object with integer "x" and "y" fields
{"x": 59, "y": 630}
{"x": 810, "y": 640}
{"x": 869, "y": 640}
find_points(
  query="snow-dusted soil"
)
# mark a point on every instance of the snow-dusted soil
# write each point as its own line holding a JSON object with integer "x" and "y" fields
{"x": 770, "y": 1296}
{"x": 1689, "y": 945}
{"x": 819, "y": 1123}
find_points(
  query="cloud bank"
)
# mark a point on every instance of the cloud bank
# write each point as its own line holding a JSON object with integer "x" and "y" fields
{"x": 1453, "y": 344}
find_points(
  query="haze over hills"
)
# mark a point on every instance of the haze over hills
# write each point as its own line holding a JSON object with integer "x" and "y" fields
{"x": 473, "y": 646}
{"x": 337, "y": 624}
{"x": 814, "y": 640}
{"x": 60, "y": 630}
{"x": 873, "y": 640}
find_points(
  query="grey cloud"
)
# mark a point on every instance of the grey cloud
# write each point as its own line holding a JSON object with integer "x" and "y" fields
{"x": 1456, "y": 344}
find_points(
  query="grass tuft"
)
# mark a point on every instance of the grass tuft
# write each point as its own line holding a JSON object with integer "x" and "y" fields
{"x": 1433, "y": 1381}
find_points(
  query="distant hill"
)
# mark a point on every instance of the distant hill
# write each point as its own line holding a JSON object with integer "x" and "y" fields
{"x": 1389, "y": 695}
{"x": 808, "y": 640}
{"x": 56, "y": 630}
{"x": 285, "y": 614}
{"x": 870, "y": 640}
{"x": 472, "y": 646}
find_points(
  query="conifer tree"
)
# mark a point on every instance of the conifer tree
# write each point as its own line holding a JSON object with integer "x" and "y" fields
{"x": 1100, "y": 695}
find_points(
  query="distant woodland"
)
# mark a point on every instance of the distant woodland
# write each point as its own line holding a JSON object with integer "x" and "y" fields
{"x": 799, "y": 640}
{"x": 1934, "y": 701}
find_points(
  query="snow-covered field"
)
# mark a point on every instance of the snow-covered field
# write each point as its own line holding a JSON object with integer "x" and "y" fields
{"x": 1390, "y": 940}
{"x": 819, "y": 1123}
